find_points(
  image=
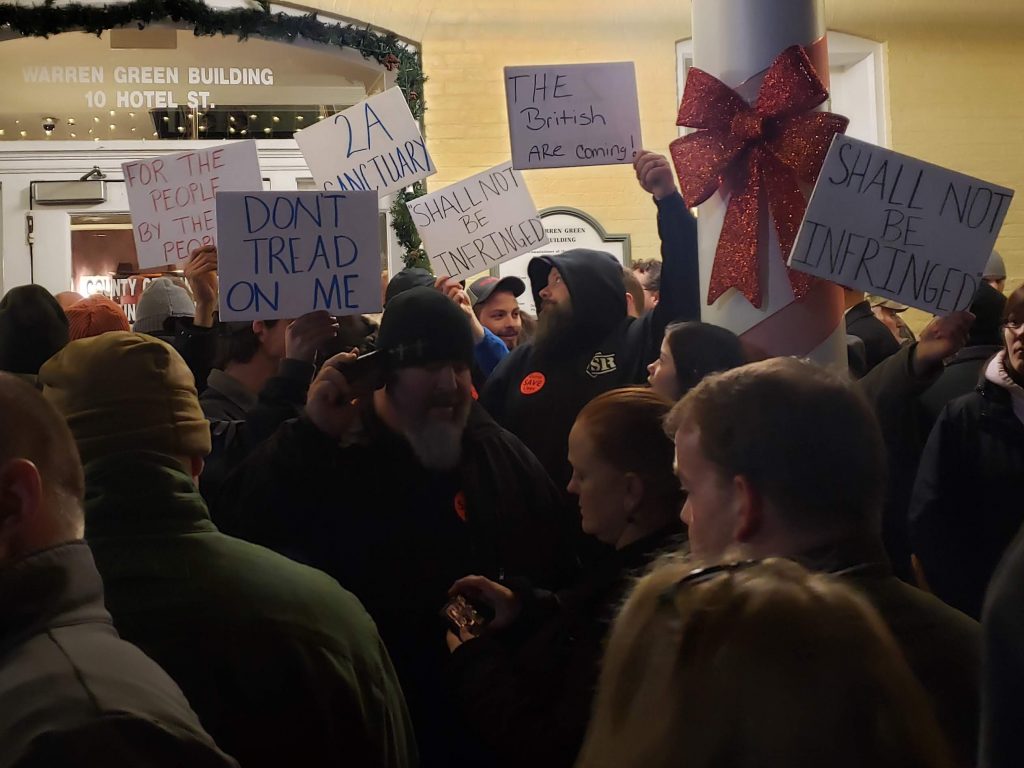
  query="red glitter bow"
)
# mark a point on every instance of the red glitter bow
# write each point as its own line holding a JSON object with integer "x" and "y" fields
{"x": 773, "y": 145}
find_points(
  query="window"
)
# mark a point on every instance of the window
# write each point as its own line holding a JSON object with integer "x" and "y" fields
{"x": 857, "y": 84}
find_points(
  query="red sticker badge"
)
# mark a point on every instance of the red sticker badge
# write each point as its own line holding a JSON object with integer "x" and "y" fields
{"x": 460, "y": 505}
{"x": 533, "y": 383}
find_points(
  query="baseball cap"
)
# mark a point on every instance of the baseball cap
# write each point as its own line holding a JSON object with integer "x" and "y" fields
{"x": 881, "y": 301}
{"x": 482, "y": 289}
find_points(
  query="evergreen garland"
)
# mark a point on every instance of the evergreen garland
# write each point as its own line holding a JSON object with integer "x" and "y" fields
{"x": 386, "y": 49}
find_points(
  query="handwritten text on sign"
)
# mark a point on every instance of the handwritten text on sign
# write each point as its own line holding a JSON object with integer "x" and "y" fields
{"x": 283, "y": 254}
{"x": 478, "y": 223}
{"x": 899, "y": 227}
{"x": 375, "y": 145}
{"x": 172, "y": 198}
{"x": 574, "y": 114}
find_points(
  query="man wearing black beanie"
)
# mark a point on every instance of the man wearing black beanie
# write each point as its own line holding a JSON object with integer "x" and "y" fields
{"x": 397, "y": 483}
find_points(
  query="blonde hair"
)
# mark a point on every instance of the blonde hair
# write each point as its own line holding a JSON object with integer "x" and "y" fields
{"x": 762, "y": 665}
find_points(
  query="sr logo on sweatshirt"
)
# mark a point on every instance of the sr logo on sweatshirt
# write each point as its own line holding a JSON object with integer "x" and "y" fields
{"x": 600, "y": 365}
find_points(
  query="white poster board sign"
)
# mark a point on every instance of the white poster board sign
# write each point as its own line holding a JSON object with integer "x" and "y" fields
{"x": 478, "y": 223}
{"x": 898, "y": 227}
{"x": 283, "y": 254}
{"x": 375, "y": 145}
{"x": 566, "y": 229}
{"x": 172, "y": 198}
{"x": 572, "y": 114}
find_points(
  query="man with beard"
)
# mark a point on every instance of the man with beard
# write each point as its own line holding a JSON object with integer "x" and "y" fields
{"x": 398, "y": 489}
{"x": 585, "y": 342}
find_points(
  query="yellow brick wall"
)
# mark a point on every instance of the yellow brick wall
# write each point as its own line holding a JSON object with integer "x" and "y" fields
{"x": 955, "y": 79}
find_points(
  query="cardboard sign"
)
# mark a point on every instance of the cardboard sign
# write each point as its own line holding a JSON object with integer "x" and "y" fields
{"x": 898, "y": 227}
{"x": 478, "y": 223}
{"x": 283, "y": 254}
{"x": 375, "y": 145}
{"x": 172, "y": 198}
{"x": 572, "y": 114}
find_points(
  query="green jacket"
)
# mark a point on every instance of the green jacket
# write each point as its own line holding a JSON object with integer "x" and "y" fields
{"x": 281, "y": 664}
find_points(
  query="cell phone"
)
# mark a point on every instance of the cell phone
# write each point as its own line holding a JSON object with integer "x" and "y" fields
{"x": 463, "y": 615}
{"x": 366, "y": 371}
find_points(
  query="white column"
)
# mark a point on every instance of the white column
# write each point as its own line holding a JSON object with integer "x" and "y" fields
{"x": 736, "y": 41}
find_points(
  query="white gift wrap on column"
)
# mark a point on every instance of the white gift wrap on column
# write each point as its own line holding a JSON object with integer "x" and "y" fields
{"x": 737, "y": 41}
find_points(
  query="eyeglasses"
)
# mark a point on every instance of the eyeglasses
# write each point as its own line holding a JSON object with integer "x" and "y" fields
{"x": 1013, "y": 326}
{"x": 701, "y": 575}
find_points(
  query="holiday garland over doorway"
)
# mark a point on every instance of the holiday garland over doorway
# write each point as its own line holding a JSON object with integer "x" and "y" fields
{"x": 385, "y": 48}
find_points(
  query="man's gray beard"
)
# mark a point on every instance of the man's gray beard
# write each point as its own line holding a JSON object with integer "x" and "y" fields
{"x": 437, "y": 444}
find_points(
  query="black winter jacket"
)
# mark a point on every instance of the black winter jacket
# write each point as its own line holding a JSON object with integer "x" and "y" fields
{"x": 537, "y": 394}
{"x": 239, "y": 421}
{"x": 967, "y": 505}
{"x": 527, "y": 691}
{"x": 878, "y": 340}
{"x": 398, "y": 535}
{"x": 959, "y": 377}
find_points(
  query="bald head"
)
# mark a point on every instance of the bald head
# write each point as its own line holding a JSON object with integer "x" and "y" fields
{"x": 41, "y": 481}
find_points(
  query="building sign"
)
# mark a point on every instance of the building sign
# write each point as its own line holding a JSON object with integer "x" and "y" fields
{"x": 566, "y": 228}
{"x": 124, "y": 290}
{"x": 85, "y": 87}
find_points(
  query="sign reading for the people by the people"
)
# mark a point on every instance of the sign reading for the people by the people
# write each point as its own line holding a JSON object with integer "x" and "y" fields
{"x": 572, "y": 114}
{"x": 283, "y": 254}
{"x": 478, "y": 223}
{"x": 375, "y": 145}
{"x": 172, "y": 198}
{"x": 898, "y": 227}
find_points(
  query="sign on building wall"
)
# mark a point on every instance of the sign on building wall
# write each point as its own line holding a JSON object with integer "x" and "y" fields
{"x": 566, "y": 228}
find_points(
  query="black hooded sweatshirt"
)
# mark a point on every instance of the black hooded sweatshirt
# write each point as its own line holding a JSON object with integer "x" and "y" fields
{"x": 537, "y": 392}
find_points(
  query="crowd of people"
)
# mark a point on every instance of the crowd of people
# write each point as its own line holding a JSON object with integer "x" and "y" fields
{"x": 608, "y": 536}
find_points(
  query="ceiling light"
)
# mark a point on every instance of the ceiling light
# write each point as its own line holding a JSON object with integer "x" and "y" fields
{"x": 300, "y": 118}
{"x": 113, "y": 127}
{"x": 112, "y": 113}
{"x": 24, "y": 134}
{"x": 74, "y": 136}
{"x": 276, "y": 119}
{"x": 266, "y": 130}
{"x": 254, "y": 117}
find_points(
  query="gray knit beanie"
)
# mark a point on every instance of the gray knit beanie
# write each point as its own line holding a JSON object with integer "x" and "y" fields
{"x": 161, "y": 299}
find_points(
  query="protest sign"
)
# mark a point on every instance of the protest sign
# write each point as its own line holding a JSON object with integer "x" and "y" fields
{"x": 478, "y": 223}
{"x": 283, "y": 254}
{"x": 572, "y": 114}
{"x": 172, "y": 198}
{"x": 898, "y": 227}
{"x": 375, "y": 145}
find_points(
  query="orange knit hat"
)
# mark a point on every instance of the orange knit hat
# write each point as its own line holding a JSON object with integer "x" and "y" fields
{"x": 93, "y": 316}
